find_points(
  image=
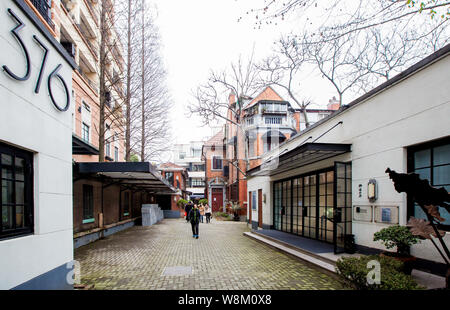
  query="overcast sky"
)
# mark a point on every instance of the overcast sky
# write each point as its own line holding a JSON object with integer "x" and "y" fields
{"x": 203, "y": 35}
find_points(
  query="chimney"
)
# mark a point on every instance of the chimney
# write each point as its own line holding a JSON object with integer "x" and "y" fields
{"x": 232, "y": 98}
{"x": 333, "y": 104}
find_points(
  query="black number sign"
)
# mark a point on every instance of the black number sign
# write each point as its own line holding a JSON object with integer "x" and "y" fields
{"x": 15, "y": 33}
{"x": 54, "y": 74}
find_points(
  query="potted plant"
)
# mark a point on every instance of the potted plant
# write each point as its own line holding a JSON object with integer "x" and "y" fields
{"x": 401, "y": 238}
{"x": 235, "y": 207}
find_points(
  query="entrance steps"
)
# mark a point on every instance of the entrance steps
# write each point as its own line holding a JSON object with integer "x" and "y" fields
{"x": 326, "y": 260}
{"x": 319, "y": 260}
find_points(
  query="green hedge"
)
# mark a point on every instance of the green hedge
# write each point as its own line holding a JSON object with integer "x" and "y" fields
{"x": 222, "y": 214}
{"x": 354, "y": 271}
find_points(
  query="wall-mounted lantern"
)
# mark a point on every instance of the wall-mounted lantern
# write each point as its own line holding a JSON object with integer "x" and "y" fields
{"x": 372, "y": 190}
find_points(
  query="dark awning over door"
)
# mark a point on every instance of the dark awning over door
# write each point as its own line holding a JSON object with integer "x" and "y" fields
{"x": 300, "y": 156}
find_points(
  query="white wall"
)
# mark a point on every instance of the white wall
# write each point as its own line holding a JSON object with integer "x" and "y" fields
{"x": 254, "y": 184}
{"x": 31, "y": 122}
{"x": 413, "y": 111}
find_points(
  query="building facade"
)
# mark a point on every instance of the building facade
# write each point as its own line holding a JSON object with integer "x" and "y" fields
{"x": 216, "y": 173}
{"x": 189, "y": 156}
{"x": 329, "y": 181}
{"x": 266, "y": 121}
{"x": 176, "y": 176}
{"x": 35, "y": 152}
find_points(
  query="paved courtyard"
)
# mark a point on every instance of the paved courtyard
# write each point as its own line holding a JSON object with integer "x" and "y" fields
{"x": 166, "y": 257}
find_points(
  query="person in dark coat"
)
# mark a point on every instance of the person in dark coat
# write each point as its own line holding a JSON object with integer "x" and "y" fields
{"x": 187, "y": 208}
{"x": 194, "y": 218}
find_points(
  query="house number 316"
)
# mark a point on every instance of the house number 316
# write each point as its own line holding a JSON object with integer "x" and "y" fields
{"x": 54, "y": 74}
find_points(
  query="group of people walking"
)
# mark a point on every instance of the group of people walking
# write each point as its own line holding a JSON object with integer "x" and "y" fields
{"x": 195, "y": 214}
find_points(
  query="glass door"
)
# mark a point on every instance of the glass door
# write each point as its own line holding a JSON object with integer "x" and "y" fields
{"x": 342, "y": 211}
{"x": 286, "y": 207}
{"x": 326, "y": 202}
{"x": 277, "y": 205}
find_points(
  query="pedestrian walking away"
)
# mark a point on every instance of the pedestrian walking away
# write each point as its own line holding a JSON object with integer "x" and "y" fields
{"x": 194, "y": 218}
{"x": 187, "y": 208}
{"x": 202, "y": 212}
{"x": 208, "y": 213}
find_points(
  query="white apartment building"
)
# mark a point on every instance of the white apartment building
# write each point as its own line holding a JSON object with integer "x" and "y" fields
{"x": 189, "y": 155}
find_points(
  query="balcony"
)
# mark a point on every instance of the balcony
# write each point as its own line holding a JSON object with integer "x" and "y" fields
{"x": 259, "y": 120}
{"x": 44, "y": 8}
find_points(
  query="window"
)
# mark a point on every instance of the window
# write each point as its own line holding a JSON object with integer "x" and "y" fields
{"x": 86, "y": 107}
{"x": 217, "y": 163}
{"x": 126, "y": 204}
{"x": 88, "y": 204}
{"x": 198, "y": 167}
{"x": 253, "y": 200}
{"x": 431, "y": 161}
{"x": 169, "y": 177}
{"x": 16, "y": 195}
{"x": 197, "y": 183}
{"x": 196, "y": 152}
{"x": 182, "y": 155}
{"x": 108, "y": 148}
{"x": 267, "y": 144}
{"x": 116, "y": 153}
{"x": 273, "y": 120}
{"x": 85, "y": 133}
{"x": 251, "y": 148}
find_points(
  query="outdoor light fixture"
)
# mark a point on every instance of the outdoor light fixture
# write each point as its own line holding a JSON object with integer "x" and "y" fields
{"x": 372, "y": 190}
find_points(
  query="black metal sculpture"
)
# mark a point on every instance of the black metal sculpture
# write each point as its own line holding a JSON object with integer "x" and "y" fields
{"x": 429, "y": 199}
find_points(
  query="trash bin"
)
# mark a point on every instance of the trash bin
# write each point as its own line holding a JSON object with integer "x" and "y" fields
{"x": 349, "y": 244}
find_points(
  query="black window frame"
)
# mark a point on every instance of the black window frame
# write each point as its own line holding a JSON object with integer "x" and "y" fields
{"x": 88, "y": 198}
{"x": 85, "y": 133}
{"x": 411, "y": 168}
{"x": 28, "y": 205}
{"x": 116, "y": 153}
{"x": 215, "y": 161}
{"x": 126, "y": 203}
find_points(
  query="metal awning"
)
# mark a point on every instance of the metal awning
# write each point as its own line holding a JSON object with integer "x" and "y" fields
{"x": 300, "y": 156}
{"x": 274, "y": 134}
{"x": 139, "y": 175}
{"x": 80, "y": 147}
{"x": 197, "y": 196}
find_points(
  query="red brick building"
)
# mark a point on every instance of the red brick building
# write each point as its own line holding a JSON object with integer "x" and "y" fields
{"x": 213, "y": 154}
{"x": 177, "y": 177}
{"x": 265, "y": 121}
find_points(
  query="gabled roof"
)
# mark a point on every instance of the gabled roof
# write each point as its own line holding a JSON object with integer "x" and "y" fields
{"x": 217, "y": 139}
{"x": 170, "y": 167}
{"x": 267, "y": 94}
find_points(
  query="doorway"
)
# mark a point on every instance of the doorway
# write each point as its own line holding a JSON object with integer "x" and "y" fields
{"x": 216, "y": 199}
{"x": 316, "y": 205}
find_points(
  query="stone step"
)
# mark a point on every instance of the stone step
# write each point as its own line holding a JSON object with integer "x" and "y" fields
{"x": 308, "y": 256}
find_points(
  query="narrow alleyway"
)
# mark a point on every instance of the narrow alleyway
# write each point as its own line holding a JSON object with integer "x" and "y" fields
{"x": 165, "y": 256}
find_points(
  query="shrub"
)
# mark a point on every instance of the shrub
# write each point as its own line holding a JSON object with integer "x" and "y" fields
{"x": 354, "y": 271}
{"x": 203, "y": 201}
{"x": 396, "y": 236}
{"x": 223, "y": 215}
{"x": 182, "y": 202}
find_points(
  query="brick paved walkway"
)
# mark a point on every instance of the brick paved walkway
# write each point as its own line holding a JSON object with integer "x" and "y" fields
{"x": 222, "y": 258}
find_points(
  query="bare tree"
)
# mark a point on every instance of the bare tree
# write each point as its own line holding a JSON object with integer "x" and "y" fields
{"x": 344, "y": 17}
{"x": 336, "y": 60}
{"x": 151, "y": 103}
{"x": 282, "y": 69}
{"x": 211, "y": 99}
